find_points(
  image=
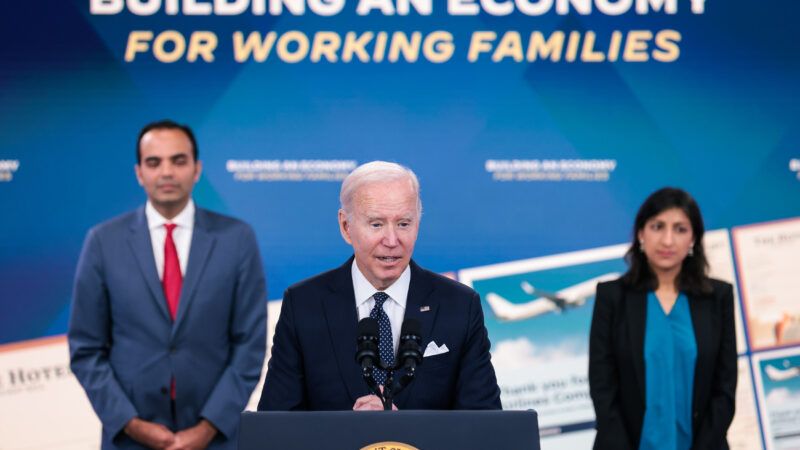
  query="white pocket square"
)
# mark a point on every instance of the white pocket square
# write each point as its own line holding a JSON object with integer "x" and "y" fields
{"x": 432, "y": 349}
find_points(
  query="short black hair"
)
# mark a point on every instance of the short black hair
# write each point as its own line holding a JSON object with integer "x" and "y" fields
{"x": 692, "y": 277}
{"x": 165, "y": 124}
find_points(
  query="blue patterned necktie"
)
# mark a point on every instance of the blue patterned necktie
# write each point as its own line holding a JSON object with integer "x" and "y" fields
{"x": 385, "y": 342}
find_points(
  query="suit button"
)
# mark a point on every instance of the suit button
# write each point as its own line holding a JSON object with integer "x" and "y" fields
{"x": 164, "y": 390}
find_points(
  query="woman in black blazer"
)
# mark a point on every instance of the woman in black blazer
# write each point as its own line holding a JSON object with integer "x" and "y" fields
{"x": 667, "y": 268}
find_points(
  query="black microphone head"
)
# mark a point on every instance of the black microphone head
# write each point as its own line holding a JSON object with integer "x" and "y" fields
{"x": 367, "y": 342}
{"x": 368, "y": 327}
{"x": 410, "y": 353}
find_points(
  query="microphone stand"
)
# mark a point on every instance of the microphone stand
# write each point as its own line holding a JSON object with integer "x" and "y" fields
{"x": 366, "y": 373}
{"x": 408, "y": 357}
{"x": 407, "y": 378}
{"x": 388, "y": 390}
{"x": 393, "y": 387}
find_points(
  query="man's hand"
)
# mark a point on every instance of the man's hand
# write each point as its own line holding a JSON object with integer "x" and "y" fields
{"x": 153, "y": 435}
{"x": 370, "y": 403}
{"x": 195, "y": 438}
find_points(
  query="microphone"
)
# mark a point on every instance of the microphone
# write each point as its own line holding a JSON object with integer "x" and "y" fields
{"x": 409, "y": 356}
{"x": 367, "y": 344}
{"x": 409, "y": 353}
{"x": 367, "y": 353}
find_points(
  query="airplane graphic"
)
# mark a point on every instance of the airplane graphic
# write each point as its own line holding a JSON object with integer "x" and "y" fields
{"x": 776, "y": 374}
{"x": 545, "y": 302}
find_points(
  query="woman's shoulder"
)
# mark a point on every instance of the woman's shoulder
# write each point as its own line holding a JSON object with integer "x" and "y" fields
{"x": 611, "y": 289}
{"x": 616, "y": 283}
{"x": 720, "y": 288}
{"x": 721, "y": 291}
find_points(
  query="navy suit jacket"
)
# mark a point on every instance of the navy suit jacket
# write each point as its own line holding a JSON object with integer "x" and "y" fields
{"x": 125, "y": 348}
{"x": 313, "y": 363}
{"x": 617, "y": 372}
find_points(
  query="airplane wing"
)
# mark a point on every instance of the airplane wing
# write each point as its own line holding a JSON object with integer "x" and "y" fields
{"x": 505, "y": 310}
{"x": 776, "y": 374}
{"x": 577, "y": 294}
{"x": 545, "y": 302}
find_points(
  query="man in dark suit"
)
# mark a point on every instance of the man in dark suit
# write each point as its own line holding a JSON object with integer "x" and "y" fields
{"x": 167, "y": 330}
{"x": 313, "y": 363}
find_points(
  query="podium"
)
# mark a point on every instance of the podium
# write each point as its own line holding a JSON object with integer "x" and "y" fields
{"x": 388, "y": 430}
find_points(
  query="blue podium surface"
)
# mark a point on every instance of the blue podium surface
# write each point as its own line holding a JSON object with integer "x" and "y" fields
{"x": 390, "y": 430}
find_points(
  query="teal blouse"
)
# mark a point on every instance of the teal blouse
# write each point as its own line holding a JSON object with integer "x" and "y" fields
{"x": 670, "y": 351}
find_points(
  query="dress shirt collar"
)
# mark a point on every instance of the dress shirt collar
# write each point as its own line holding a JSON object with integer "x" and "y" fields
{"x": 364, "y": 290}
{"x": 184, "y": 219}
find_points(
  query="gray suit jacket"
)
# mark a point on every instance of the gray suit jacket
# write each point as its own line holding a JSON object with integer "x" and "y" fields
{"x": 125, "y": 348}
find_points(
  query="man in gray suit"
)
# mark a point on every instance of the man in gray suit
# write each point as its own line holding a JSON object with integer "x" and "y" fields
{"x": 167, "y": 330}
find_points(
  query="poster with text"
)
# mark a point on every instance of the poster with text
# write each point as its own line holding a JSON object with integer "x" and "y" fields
{"x": 538, "y": 313}
{"x": 768, "y": 257}
{"x": 778, "y": 385}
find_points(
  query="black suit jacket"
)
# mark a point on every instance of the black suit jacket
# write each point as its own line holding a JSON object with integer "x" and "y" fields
{"x": 617, "y": 373}
{"x": 313, "y": 363}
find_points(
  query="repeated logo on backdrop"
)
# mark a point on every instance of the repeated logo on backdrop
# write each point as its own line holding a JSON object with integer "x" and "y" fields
{"x": 7, "y": 169}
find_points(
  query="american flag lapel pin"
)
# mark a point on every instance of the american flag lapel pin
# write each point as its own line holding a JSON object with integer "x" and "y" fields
{"x": 424, "y": 308}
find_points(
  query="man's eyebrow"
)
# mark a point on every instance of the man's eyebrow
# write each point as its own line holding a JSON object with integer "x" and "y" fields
{"x": 384, "y": 219}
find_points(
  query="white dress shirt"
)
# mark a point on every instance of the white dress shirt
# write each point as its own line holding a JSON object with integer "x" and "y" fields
{"x": 394, "y": 307}
{"x": 182, "y": 234}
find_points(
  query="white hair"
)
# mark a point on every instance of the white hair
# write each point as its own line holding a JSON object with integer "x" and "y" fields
{"x": 375, "y": 172}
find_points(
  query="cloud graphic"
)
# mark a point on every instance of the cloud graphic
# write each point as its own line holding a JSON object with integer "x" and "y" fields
{"x": 521, "y": 352}
{"x": 783, "y": 396}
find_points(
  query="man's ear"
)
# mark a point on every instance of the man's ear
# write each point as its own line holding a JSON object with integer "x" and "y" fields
{"x": 138, "y": 171}
{"x": 198, "y": 169}
{"x": 344, "y": 227}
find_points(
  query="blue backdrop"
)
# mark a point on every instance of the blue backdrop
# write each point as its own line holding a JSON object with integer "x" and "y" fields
{"x": 720, "y": 121}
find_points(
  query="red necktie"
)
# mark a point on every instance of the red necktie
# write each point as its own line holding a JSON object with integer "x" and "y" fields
{"x": 173, "y": 280}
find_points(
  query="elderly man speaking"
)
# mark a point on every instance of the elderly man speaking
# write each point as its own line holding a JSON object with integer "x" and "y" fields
{"x": 313, "y": 365}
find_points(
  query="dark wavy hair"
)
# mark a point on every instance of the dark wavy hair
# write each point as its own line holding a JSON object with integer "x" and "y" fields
{"x": 692, "y": 277}
{"x": 165, "y": 124}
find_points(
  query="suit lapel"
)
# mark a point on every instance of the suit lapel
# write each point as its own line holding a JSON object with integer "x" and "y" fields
{"x": 142, "y": 248}
{"x": 342, "y": 318}
{"x": 419, "y": 297}
{"x": 200, "y": 249}
{"x": 698, "y": 308}
{"x": 636, "y": 308}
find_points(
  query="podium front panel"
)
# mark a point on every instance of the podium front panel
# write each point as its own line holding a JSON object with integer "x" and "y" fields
{"x": 377, "y": 430}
